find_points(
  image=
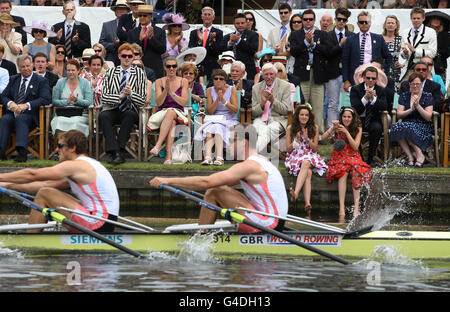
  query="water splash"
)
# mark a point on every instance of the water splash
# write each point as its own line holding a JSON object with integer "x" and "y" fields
{"x": 199, "y": 247}
{"x": 390, "y": 254}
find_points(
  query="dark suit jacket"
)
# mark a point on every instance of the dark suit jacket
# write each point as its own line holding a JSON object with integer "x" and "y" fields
{"x": 350, "y": 55}
{"x": 431, "y": 87}
{"x": 212, "y": 49}
{"x": 247, "y": 85}
{"x": 125, "y": 21}
{"x": 37, "y": 93}
{"x": 52, "y": 79}
{"x": 154, "y": 49}
{"x": 9, "y": 66}
{"x": 356, "y": 94}
{"x": 19, "y": 29}
{"x": 245, "y": 50}
{"x": 335, "y": 54}
{"x": 107, "y": 37}
{"x": 299, "y": 50}
{"x": 84, "y": 37}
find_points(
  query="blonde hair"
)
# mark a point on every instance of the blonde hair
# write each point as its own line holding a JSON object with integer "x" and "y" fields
{"x": 102, "y": 47}
{"x": 281, "y": 67}
{"x": 397, "y": 29}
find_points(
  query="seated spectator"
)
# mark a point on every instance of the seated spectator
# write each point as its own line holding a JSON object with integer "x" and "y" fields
{"x": 225, "y": 60}
{"x": 236, "y": 79}
{"x": 40, "y": 62}
{"x": 357, "y": 4}
{"x": 189, "y": 71}
{"x": 174, "y": 24}
{"x": 89, "y": 3}
{"x": 99, "y": 49}
{"x": 195, "y": 55}
{"x": 87, "y": 53}
{"x": 60, "y": 61}
{"x": 8, "y": 65}
{"x": 392, "y": 4}
{"x": 415, "y": 108}
{"x": 312, "y": 4}
{"x": 358, "y": 77}
{"x": 169, "y": 5}
{"x": 95, "y": 77}
{"x": 431, "y": 76}
{"x": 39, "y": 30}
{"x": 138, "y": 56}
{"x": 335, "y": 4}
{"x": 11, "y": 40}
{"x": 265, "y": 56}
{"x": 369, "y": 101}
{"x": 271, "y": 100}
{"x": 6, "y": 7}
{"x": 71, "y": 91}
{"x": 281, "y": 74}
{"x": 4, "y": 79}
{"x": 171, "y": 97}
{"x": 221, "y": 102}
{"x": 410, "y": 4}
{"x": 139, "y": 64}
{"x": 124, "y": 94}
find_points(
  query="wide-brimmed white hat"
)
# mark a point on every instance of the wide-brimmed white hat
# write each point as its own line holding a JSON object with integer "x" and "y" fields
{"x": 42, "y": 25}
{"x": 200, "y": 52}
{"x": 174, "y": 19}
{"x": 227, "y": 55}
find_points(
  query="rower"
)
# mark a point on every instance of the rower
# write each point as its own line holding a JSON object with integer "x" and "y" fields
{"x": 260, "y": 180}
{"x": 93, "y": 186}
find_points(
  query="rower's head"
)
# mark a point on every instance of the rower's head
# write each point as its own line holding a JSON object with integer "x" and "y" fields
{"x": 244, "y": 141}
{"x": 72, "y": 144}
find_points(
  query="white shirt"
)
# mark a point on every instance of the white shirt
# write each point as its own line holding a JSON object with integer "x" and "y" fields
{"x": 26, "y": 87}
{"x": 365, "y": 102}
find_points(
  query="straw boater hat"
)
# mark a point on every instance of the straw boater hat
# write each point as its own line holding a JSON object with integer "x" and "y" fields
{"x": 136, "y": 2}
{"x": 227, "y": 55}
{"x": 87, "y": 53}
{"x": 174, "y": 19}
{"x": 120, "y": 4}
{"x": 145, "y": 9}
{"x": 279, "y": 59}
{"x": 200, "y": 52}
{"x": 7, "y": 19}
{"x": 42, "y": 25}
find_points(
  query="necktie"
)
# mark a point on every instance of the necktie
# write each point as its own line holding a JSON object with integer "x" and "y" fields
{"x": 361, "y": 51}
{"x": 21, "y": 95}
{"x": 368, "y": 115}
{"x": 340, "y": 37}
{"x": 265, "y": 115}
{"x": 68, "y": 42}
{"x": 169, "y": 5}
{"x": 123, "y": 82}
{"x": 283, "y": 31}
{"x": 235, "y": 47}
{"x": 146, "y": 38}
{"x": 416, "y": 33}
{"x": 133, "y": 25}
{"x": 205, "y": 36}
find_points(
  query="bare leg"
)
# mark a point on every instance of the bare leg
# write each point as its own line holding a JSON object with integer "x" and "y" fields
{"x": 404, "y": 145}
{"x": 166, "y": 126}
{"x": 301, "y": 178}
{"x": 169, "y": 141}
{"x": 307, "y": 188}
{"x": 209, "y": 143}
{"x": 218, "y": 141}
{"x": 342, "y": 189}
{"x": 420, "y": 157}
{"x": 356, "y": 194}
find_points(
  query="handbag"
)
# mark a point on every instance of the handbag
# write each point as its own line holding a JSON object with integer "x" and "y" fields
{"x": 181, "y": 153}
{"x": 69, "y": 111}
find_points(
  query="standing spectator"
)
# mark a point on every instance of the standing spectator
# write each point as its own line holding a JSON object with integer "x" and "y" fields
{"x": 39, "y": 30}
{"x": 243, "y": 43}
{"x": 108, "y": 36}
{"x": 391, "y": 29}
{"x": 210, "y": 38}
{"x": 310, "y": 47}
{"x": 325, "y": 22}
{"x": 336, "y": 4}
{"x": 60, "y": 61}
{"x": 285, "y": 48}
{"x": 74, "y": 35}
{"x": 130, "y": 21}
{"x": 174, "y": 24}
{"x": 40, "y": 62}
{"x": 170, "y": 5}
{"x": 335, "y": 85}
{"x": 5, "y": 7}
{"x": 440, "y": 22}
{"x": 124, "y": 93}
{"x": 417, "y": 42}
{"x": 392, "y": 4}
{"x": 280, "y": 33}
{"x": 251, "y": 25}
{"x": 8, "y": 65}
{"x": 10, "y": 40}
{"x": 411, "y": 4}
{"x": 362, "y": 48}
{"x": 151, "y": 38}
{"x": 357, "y": 4}
{"x": 369, "y": 101}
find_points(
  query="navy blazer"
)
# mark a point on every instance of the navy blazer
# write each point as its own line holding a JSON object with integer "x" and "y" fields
{"x": 350, "y": 55}
{"x": 212, "y": 49}
{"x": 356, "y": 94}
{"x": 84, "y": 37}
{"x": 37, "y": 94}
{"x": 335, "y": 54}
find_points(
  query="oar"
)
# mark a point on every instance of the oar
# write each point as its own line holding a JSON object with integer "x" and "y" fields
{"x": 56, "y": 216}
{"x": 238, "y": 218}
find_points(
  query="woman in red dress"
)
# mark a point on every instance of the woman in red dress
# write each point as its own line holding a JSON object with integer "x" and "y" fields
{"x": 346, "y": 160}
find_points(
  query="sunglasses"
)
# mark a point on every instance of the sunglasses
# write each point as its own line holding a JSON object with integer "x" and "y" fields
{"x": 363, "y": 22}
{"x": 130, "y": 56}
{"x": 371, "y": 78}
{"x": 176, "y": 25}
{"x": 139, "y": 66}
{"x": 296, "y": 22}
{"x": 250, "y": 19}
{"x": 171, "y": 66}
{"x": 415, "y": 84}
{"x": 60, "y": 52}
{"x": 308, "y": 19}
{"x": 284, "y": 12}
{"x": 342, "y": 19}
{"x": 421, "y": 69}
{"x": 188, "y": 73}
{"x": 39, "y": 31}
{"x": 430, "y": 64}
{"x": 144, "y": 15}
{"x": 98, "y": 51}
{"x": 219, "y": 78}
{"x": 61, "y": 145}
{"x": 266, "y": 60}
{"x": 137, "y": 53}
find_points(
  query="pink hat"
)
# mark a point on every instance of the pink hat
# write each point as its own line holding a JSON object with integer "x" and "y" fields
{"x": 42, "y": 25}
{"x": 174, "y": 19}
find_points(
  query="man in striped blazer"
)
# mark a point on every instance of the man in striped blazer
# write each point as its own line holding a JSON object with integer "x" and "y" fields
{"x": 124, "y": 93}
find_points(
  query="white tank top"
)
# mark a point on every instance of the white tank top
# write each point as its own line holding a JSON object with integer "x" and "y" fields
{"x": 269, "y": 196}
{"x": 101, "y": 196}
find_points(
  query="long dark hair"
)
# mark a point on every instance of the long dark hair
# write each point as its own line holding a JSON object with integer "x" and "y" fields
{"x": 254, "y": 20}
{"x": 310, "y": 125}
{"x": 356, "y": 122}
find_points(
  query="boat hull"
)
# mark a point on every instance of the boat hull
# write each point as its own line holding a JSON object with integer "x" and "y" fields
{"x": 417, "y": 245}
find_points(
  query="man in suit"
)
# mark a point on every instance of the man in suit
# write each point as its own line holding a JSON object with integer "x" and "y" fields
{"x": 335, "y": 85}
{"x": 271, "y": 103}
{"x": 40, "y": 62}
{"x": 210, "y": 38}
{"x": 151, "y": 38}
{"x": 429, "y": 86}
{"x": 310, "y": 48}
{"x": 237, "y": 80}
{"x": 8, "y": 65}
{"x": 23, "y": 96}
{"x": 124, "y": 93}
{"x": 74, "y": 35}
{"x": 243, "y": 43}
{"x": 108, "y": 36}
{"x": 128, "y": 22}
{"x": 369, "y": 100}
{"x": 417, "y": 42}
{"x": 5, "y": 7}
{"x": 280, "y": 33}
{"x": 362, "y": 48}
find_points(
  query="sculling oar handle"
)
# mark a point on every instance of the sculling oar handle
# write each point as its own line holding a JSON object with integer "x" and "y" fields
{"x": 51, "y": 214}
{"x": 236, "y": 217}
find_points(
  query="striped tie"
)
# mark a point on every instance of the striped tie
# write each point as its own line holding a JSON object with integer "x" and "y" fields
{"x": 68, "y": 42}
{"x": 283, "y": 32}
{"x": 123, "y": 82}
{"x": 21, "y": 96}
{"x": 361, "y": 50}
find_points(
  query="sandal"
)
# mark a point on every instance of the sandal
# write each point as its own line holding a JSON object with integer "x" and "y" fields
{"x": 154, "y": 151}
{"x": 218, "y": 161}
{"x": 308, "y": 209}
{"x": 167, "y": 162}
{"x": 418, "y": 165}
{"x": 208, "y": 161}
{"x": 292, "y": 193}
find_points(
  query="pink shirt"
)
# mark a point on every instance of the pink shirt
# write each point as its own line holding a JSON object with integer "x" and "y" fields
{"x": 367, "y": 47}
